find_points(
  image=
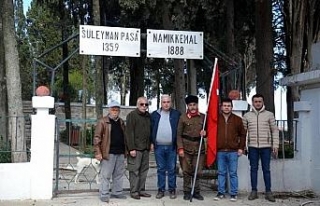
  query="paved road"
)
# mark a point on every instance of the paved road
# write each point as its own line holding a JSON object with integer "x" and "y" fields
{"x": 91, "y": 199}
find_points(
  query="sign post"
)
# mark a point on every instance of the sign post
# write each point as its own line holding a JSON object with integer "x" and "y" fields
{"x": 174, "y": 44}
{"x": 109, "y": 41}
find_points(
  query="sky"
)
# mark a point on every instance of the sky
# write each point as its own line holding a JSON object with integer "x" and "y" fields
{"x": 26, "y": 4}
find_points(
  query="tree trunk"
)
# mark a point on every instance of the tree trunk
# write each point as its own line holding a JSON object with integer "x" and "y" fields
{"x": 192, "y": 77}
{"x": 136, "y": 80}
{"x": 180, "y": 91}
{"x": 3, "y": 89}
{"x": 123, "y": 87}
{"x": 16, "y": 121}
{"x": 106, "y": 65}
{"x": 84, "y": 66}
{"x": 230, "y": 44}
{"x": 66, "y": 86}
{"x": 158, "y": 85}
{"x": 264, "y": 52}
{"x": 98, "y": 74}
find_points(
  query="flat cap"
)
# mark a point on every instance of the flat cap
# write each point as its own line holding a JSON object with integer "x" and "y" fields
{"x": 191, "y": 99}
{"x": 114, "y": 104}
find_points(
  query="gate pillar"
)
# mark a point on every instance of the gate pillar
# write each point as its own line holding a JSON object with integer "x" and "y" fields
{"x": 42, "y": 147}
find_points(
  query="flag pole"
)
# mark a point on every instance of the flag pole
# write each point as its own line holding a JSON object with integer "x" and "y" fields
{"x": 203, "y": 126}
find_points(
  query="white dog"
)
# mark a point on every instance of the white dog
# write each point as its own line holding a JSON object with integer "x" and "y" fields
{"x": 85, "y": 162}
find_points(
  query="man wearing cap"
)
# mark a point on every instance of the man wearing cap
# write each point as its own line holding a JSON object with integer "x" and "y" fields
{"x": 190, "y": 130}
{"x": 109, "y": 148}
{"x": 138, "y": 145}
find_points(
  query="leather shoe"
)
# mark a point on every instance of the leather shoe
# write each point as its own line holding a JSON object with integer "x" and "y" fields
{"x": 144, "y": 194}
{"x": 135, "y": 196}
{"x": 198, "y": 196}
{"x": 186, "y": 196}
{"x": 120, "y": 196}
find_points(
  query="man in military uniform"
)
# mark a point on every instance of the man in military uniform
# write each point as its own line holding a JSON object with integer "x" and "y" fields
{"x": 190, "y": 130}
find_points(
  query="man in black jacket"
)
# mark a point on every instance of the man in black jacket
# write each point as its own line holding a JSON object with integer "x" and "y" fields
{"x": 138, "y": 144}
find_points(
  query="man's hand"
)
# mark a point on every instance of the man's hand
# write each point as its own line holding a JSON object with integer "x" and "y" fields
{"x": 275, "y": 152}
{"x": 181, "y": 152}
{"x": 133, "y": 153}
{"x": 240, "y": 152}
{"x": 98, "y": 157}
{"x": 203, "y": 133}
{"x": 151, "y": 148}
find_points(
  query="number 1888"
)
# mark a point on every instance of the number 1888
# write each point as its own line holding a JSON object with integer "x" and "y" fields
{"x": 175, "y": 50}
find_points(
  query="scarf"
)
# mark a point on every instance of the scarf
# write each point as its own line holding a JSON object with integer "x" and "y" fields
{"x": 190, "y": 115}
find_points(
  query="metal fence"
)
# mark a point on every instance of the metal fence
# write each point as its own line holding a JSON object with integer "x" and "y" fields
{"x": 20, "y": 148}
{"x": 74, "y": 142}
{"x": 287, "y": 138}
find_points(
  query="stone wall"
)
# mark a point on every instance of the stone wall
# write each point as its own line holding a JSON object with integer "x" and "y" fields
{"x": 76, "y": 111}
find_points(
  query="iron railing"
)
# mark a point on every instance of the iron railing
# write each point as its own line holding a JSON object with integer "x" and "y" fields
{"x": 20, "y": 149}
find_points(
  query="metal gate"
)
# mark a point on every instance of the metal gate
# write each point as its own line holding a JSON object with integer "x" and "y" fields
{"x": 75, "y": 169}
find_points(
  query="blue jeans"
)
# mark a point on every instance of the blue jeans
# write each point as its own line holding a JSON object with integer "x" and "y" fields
{"x": 228, "y": 162}
{"x": 265, "y": 155}
{"x": 166, "y": 158}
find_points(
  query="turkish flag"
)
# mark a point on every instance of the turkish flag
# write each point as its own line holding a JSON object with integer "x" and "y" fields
{"x": 212, "y": 116}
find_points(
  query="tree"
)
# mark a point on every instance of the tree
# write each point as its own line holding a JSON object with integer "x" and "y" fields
{"x": 98, "y": 69}
{"x": 301, "y": 20}
{"x": 3, "y": 88}
{"x": 25, "y": 59}
{"x": 264, "y": 52}
{"x": 13, "y": 81}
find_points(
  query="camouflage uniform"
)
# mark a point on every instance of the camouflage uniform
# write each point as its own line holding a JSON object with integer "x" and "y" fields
{"x": 188, "y": 138}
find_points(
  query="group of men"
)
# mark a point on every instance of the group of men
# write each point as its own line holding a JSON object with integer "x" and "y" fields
{"x": 171, "y": 134}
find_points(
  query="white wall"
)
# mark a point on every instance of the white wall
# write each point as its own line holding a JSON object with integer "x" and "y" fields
{"x": 286, "y": 174}
{"x": 15, "y": 181}
{"x": 33, "y": 180}
{"x": 312, "y": 136}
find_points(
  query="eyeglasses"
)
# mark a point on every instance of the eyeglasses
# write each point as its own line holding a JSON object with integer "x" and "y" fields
{"x": 144, "y": 104}
{"x": 115, "y": 109}
{"x": 165, "y": 101}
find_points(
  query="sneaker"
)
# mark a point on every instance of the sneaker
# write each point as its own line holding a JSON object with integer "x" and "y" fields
{"x": 253, "y": 195}
{"x": 173, "y": 194}
{"x": 219, "y": 196}
{"x": 233, "y": 198}
{"x": 160, "y": 194}
{"x": 104, "y": 199}
{"x": 269, "y": 196}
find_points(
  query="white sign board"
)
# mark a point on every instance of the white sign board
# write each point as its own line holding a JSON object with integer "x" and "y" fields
{"x": 174, "y": 44}
{"x": 109, "y": 41}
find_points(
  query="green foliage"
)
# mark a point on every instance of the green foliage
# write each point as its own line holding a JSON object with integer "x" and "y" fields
{"x": 288, "y": 151}
{"x": 75, "y": 85}
{"x": 5, "y": 151}
{"x": 77, "y": 131}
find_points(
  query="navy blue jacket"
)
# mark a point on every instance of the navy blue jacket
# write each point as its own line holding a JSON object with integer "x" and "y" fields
{"x": 174, "y": 120}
